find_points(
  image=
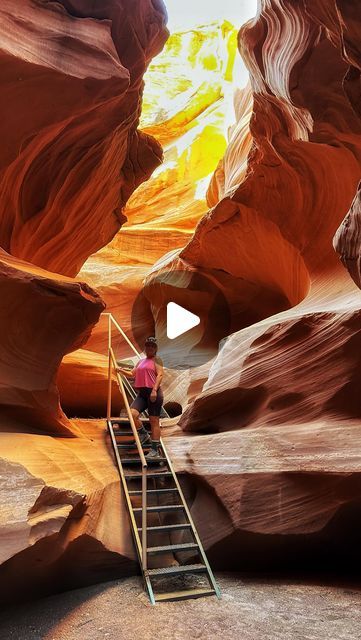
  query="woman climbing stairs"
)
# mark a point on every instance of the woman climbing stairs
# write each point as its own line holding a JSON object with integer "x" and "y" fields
{"x": 173, "y": 562}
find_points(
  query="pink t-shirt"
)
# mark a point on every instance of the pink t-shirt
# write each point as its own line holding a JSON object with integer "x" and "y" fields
{"x": 145, "y": 373}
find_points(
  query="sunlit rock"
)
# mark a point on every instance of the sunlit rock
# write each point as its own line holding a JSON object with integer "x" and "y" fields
{"x": 277, "y": 420}
{"x": 71, "y": 152}
{"x": 347, "y": 241}
{"x": 189, "y": 114}
{"x": 268, "y": 446}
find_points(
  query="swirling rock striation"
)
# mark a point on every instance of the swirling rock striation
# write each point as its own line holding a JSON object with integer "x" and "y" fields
{"x": 347, "y": 240}
{"x": 41, "y": 318}
{"x": 270, "y": 234}
{"x": 278, "y": 420}
{"x": 69, "y": 163}
{"x": 60, "y": 514}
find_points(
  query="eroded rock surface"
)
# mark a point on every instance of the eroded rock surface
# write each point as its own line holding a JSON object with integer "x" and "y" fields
{"x": 60, "y": 506}
{"x": 271, "y": 232}
{"x": 72, "y": 157}
{"x": 42, "y": 317}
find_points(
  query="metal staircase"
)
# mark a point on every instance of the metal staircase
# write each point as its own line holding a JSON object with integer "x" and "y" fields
{"x": 173, "y": 562}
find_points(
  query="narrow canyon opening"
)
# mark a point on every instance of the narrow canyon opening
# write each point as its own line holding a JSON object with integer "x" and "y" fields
{"x": 136, "y": 165}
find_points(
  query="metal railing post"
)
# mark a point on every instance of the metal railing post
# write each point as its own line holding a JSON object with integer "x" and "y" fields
{"x": 109, "y": 401}
{"x": 144, "y": 517}
{"x": 124, "y": 335}
{"x": 142, "y": 459}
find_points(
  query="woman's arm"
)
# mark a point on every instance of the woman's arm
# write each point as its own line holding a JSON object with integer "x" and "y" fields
{"x": 128, "y": 373}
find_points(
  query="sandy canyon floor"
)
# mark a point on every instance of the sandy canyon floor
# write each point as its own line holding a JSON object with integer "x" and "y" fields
{"x": 250, "y": 609}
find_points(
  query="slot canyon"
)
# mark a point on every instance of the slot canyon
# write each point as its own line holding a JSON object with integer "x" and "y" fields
{"x": 228, "y": 150}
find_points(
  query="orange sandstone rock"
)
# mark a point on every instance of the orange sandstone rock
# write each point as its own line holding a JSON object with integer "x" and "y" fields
{"x": 347, "y": 240}
{"x": 296, "y": 367}
{"x": 62, "y": 514}
{"x": 70, "y": 160}
{"x": 82, "y": 381}
{"x": 42, "y": 317}
{"x": 271, "y": 233}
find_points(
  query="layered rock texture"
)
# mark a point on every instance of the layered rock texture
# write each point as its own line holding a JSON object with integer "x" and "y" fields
{"x": 187, "y": 107}
{"x": 188, "y": 115}
{"x": 42, "y": 318}
{"x": 268, "y": 446}
{"x": 71, "y": 156}
{"x": 347, "y": 240}
{"x": 59, "y": 522}
{"x": 279, "y": 415}
{"x": 72, "y": 79}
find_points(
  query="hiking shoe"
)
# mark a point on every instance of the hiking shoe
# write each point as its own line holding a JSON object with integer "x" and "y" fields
{"x": 152, "y": 454}
{"x": 155, "y": 456}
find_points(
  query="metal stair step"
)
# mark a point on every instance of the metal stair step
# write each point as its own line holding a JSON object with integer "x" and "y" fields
{"x": 168, "y": 527}
{"x": 139, "y": 492}
{"x": 138, "y": 460}
{"x": 125, "y": 420}
{"x": 152, "y": 474}
{"x": 187, "y": 546}
{"x": 123, "y": 433}
{"x": 183, "y": 595}
{"x": 126, "y": 446}
{"x": 173, "y": 571}
{"x": 169, "y": 507}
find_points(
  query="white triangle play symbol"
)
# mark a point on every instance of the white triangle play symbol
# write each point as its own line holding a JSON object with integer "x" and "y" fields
{"x": 179, "y": 320}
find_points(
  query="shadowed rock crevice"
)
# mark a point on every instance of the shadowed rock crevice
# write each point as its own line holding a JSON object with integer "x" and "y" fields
{"x": 43, "y": 571}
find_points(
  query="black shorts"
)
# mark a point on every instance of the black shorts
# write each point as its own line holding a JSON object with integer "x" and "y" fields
{"x": 142, "y": 401}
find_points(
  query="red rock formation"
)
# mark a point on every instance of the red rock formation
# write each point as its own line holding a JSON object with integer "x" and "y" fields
{"x": 279, "y": 372}
{"x": 273, "y": 471}
{"x": 347, "y": 241}
{"x": 185, "y": 107}
{"x": 277, "y": 450}
{"x": 71, "y": 156}
{"x": 82, "y": 381}
{"x": 279, "y": 416}
{"x": 71, "y": 160}
{"x": 60, "y": 506}
{"x": 285, "y": 498}
{"x": 232, "y": 168}
{"x": 271, "y": 233}
{"x": 41, "y": 319}
{"x": 118, "y": 287}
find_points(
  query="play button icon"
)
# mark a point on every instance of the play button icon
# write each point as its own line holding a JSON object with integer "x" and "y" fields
{"x": 179, "y": 320}
{"x": 186, "y": 311}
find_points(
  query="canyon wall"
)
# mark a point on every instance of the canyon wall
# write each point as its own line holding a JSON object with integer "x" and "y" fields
{"x": 267, "y": 449}
{"x": 187, "y": 107}
{"x": 283, "y": 186}
{"x": 71, "y": 156}
{"x": 278, "y": 419}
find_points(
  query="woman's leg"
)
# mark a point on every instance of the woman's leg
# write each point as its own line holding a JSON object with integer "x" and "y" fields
{"x": 155, "y": 427}
{"x": 135, "y": 413}
{"x": 154, "y": 409}
{"x": 137, "y": 407}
